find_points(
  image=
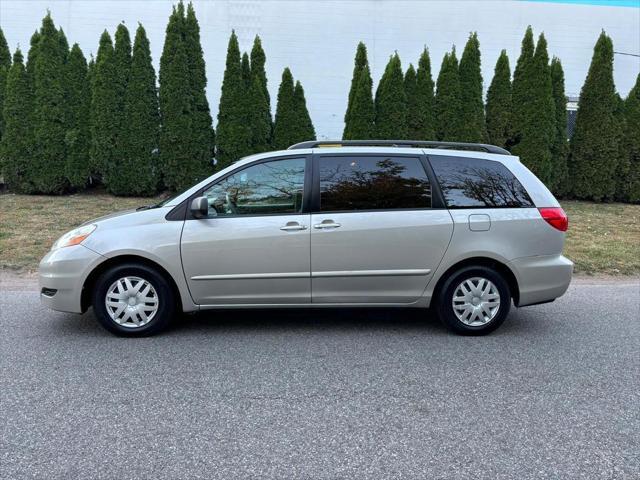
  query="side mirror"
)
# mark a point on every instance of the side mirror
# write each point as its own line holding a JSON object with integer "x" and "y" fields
{"x": 200, "y": 207}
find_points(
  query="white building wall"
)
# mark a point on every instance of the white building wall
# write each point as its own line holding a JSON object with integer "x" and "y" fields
{"x": 317, "y": 39}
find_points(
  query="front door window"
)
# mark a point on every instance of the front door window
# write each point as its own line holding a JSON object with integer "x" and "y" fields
{"x": 264, "y": 189}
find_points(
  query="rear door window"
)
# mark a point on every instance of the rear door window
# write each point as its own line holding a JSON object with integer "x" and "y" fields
{"x": 478, "y": 183}
{"x": 356, "y": 182}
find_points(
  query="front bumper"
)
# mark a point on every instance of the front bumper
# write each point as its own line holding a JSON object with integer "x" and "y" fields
{"x": 62, "y": 274}
{"x": 541, "y": 278}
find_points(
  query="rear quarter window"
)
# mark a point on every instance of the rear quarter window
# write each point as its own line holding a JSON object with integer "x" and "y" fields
{"x": 478, "y": 183}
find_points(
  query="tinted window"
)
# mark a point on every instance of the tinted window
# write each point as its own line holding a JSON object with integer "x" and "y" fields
{"x": 472, "y": 182}
{"x": 373, "y": 183}
{"x": 265, "y": 188}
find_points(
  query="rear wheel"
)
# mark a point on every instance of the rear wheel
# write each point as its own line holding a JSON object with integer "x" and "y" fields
{"x": 133, "y": 300}
{"x": 474, "y": 301}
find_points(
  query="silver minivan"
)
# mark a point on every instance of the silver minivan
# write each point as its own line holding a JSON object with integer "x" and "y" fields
{"x": 462, "y": 228}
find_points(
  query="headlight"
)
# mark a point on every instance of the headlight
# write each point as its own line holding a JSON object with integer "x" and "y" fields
{"x": 74, "y": 237}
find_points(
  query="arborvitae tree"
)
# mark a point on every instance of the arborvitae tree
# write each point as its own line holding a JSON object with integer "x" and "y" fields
{"x": 472, "y": 126}
{"x": 140, "y": 141}
{"x": 5, "y": 53}
{"x": 304, "y": 130}
{"x": 537, "y": 120}
{"x": 410, "y": 90}
{"x": 423, "y": 127}
{"x": 631, "y": 143}
{"x": 499, "y": 104}
{"x": 177, "y": 136}
{"x": 31, "y": 56}
{"x": 172, "y": 40}
{"x": 261, "y": 122}
{"x": 258, "y": 61}
{"x": 248, "y": 108}
{"x": 286, "y": 120}
{"x": 245, "y": 67}
{"x": 362, "y": 117}
{"x": 90, "y": 71}
{"x": 233, "y": 135}
{"x": 16, "y": 155}
{"x": 621, "y": 175}
{"x": 361, "y": 62}
{"x": 5, "y": 64}
{"x": 30, "y": 67}
{"x": 560, "y": 146}
{"x": 293, "y": 123}
{"x": 447, "y": 102}
{"x": 122, "y": 61}
{"x": 63, "y": 45}
{"x": 50, "y": 112}
{"x": 77, "y": 139}
{"x": 391, "y": 102}
{"x": 104, "y": 109}
{"x": 204, "y": 135}
{"x": 523, "y": 83}
{"x": 594, "y": 146}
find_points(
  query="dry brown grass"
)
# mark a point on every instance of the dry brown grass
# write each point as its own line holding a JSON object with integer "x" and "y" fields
{"x": 603, "y": 239}
{"x": 29, "y": 224}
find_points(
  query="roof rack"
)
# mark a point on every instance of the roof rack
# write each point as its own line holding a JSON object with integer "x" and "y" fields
{"x": 482, "y": 147}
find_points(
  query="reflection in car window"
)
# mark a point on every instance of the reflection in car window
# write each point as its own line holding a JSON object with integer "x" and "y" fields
{"x": 372, "y": 183}
{"x": 476, "y": 183}
{"x": 266, "y": 188}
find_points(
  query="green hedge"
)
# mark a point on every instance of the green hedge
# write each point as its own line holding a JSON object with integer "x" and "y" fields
{"x": 66, "y": 124}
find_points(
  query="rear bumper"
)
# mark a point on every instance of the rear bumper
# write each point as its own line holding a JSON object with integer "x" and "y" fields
{"x": 541, "y": 278}
{"x": 62, "y": 274}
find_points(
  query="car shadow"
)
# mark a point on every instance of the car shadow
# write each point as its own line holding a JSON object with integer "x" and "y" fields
{"x": 305, "y": 320}
{"x": 273, "y": 320}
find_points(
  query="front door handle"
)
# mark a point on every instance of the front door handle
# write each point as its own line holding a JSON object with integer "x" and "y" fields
{"x": 326, "y": 224}
{"x": 293, "y": 226}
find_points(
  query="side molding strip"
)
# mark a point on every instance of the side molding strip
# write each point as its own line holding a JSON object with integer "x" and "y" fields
{"x": 344, "y": 273}
{"x": 373, "y": 273}
{"x": 252, "y": 276}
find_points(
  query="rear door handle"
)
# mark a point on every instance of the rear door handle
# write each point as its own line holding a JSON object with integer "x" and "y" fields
{"x": 327, "y": 224}
{"x": 293, "y": 226}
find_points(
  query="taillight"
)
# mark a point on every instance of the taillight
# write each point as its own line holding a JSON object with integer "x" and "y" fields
{"x": 555, "y": 217}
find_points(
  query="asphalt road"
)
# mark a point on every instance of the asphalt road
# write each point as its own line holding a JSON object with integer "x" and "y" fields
{"x": 554, "y": 393}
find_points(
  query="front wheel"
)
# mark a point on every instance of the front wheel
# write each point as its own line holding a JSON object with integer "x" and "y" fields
{"x": 474, "y": 301}
{"x": 133, "y": 300}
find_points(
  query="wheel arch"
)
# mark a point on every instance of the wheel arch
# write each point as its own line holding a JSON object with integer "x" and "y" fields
{"x": 502, "y": 268}
{"x": 89, "y": 283}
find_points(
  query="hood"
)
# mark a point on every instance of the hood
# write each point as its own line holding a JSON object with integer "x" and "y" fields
{"x": 110, "y": 215}
{"x": 130, "y": 218}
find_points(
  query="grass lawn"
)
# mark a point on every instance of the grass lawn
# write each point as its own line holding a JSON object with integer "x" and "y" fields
{"x": 29, "y": 224}
{"x": 603, "y": 239}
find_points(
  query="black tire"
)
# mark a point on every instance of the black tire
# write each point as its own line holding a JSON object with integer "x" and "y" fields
{"x": 165, "y": 295}
{"x": 444, "y": 300}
